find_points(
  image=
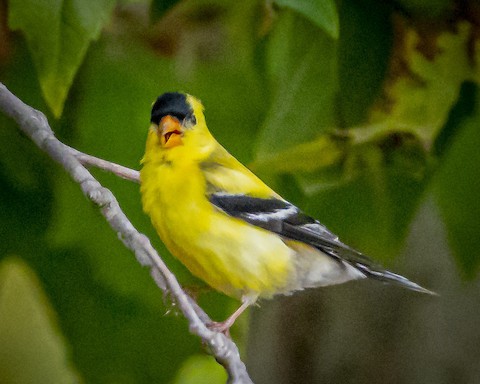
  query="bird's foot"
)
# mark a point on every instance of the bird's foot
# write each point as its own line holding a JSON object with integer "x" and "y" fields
{"x": 224, "y": 326}
{"x": 221, "y": 326}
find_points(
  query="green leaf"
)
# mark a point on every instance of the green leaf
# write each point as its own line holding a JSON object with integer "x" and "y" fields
{"x": 200, "y": 369}
{"x": 32, "y": 346}
{"x": 418, "y": 98}
{"x": 457, "y": 190}
{"x": 364, "y": 49}
{"x": 416, "y": 101}
{"x": 298, "y": 60}
{"x": 306, "y": 157}
{"x": 58, "y": 33}
{"x": 323, "y": 13}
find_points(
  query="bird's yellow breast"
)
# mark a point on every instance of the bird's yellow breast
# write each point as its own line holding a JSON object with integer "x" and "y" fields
{"x": 230, "y": 255}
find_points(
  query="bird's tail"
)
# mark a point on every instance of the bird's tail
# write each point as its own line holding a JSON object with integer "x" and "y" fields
{"x": 374, "y": 272}
{"x": 369, "y": 268}
{"x": 330, "y": 245}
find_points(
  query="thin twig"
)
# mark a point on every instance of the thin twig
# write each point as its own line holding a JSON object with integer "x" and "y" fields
{"x": 117, "y": 169}
{"x": 35, "y": 125}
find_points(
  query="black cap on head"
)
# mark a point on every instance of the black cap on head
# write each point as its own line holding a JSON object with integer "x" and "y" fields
{"x": 173, "y": 104}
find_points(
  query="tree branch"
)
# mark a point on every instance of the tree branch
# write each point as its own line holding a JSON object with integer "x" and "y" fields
{"x": 35, "y": 125}
{"x": 117, "y": 169}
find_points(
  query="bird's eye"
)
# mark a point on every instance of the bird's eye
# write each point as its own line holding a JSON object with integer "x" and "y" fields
{"x": 189, "y": 121}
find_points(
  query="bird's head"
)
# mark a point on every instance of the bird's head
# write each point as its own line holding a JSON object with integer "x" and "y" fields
{"x": 178, "y": 125}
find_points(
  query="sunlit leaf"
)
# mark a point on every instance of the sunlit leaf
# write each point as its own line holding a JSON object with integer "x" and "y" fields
{"x": 416, "y": 101}
{"x": 58, "y": 33}
{"x": 306, "y": 157}
{"x": 424, "y": 82}
{"x": 323, "y": 13}
{"x": 32, "y": 346}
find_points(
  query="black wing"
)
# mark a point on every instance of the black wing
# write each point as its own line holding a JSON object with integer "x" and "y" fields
{"x": 281, "y": 217}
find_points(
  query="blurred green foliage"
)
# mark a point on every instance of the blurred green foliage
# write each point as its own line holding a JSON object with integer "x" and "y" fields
{"x": 322, "y": 13}
{"x": 200, "y": 369}
{"x": 354, "y": 110}
{"x": 31, "y": 344}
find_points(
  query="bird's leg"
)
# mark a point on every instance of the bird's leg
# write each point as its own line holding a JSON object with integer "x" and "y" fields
{"x": 224, "y": 326}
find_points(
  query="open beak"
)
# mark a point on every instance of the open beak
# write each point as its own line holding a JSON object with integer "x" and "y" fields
{"x": 170, "y": 131}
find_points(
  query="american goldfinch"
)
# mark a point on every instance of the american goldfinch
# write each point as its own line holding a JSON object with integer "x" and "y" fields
{"x": 229, "y": 228}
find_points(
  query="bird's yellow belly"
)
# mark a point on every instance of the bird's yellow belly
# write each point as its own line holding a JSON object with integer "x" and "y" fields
{"x": 230, "y": 255}
{"x": 239, "y": 259}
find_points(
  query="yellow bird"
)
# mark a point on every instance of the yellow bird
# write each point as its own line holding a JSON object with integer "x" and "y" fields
{"x": 229, "y": 228}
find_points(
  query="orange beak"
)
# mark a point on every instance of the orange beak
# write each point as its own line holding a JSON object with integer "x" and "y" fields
{"x": 170, "y": 131}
